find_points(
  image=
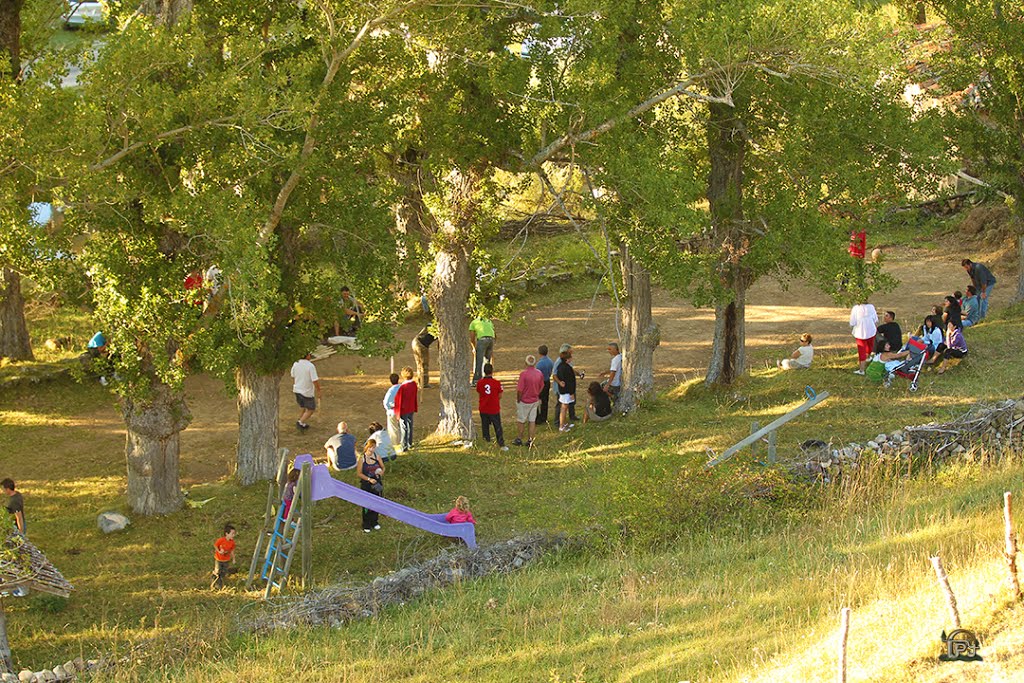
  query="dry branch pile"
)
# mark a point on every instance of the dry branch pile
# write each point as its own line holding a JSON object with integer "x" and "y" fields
{"x": 337, "y": 605}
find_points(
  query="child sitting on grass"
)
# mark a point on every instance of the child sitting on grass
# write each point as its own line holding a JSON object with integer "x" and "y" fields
{"x": 801, "y": 358}
{"x": 223, "y": 556}
{"x": 461, "y": 512}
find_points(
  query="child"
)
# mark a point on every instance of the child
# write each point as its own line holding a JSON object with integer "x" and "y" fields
{"x": 223, "y": 556}
{"x": 370, "y": 471}
{"x": 490, "y": 390}
{"x": 289, "y": 491}
{"x": 406, "y": 406}
{"x": 801, "y": 358}
{"x": 461, "y": 512}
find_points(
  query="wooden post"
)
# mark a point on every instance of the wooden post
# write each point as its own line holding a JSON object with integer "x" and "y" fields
{"x": 940, "y": 574}
{"x": 6, "y": 662}
{"x": 844, "y": 631}
{"x": 755, "y": 426}
{"x": 1011, "y": 545}
{"x": 772, "y": 447}
{"x": 306, "y": 521}
{"x": 268, "y": 522}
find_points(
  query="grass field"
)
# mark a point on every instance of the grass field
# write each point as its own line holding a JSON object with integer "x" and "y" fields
{"x": 731, "y": 575}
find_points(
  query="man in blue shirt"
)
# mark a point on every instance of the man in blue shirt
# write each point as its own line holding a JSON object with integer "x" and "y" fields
{"x": 341, "y": 449}
{"x": 983, "y": 281}
{"x": 546, "y": 367}
{"x": 392, "y": 420}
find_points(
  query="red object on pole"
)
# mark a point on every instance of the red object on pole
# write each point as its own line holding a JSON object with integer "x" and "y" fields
{"x": 858, "y": 243}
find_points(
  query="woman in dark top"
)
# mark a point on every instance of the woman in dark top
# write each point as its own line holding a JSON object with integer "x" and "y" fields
{"x": 951, "y": 313}
{"x": 599, "y": 407}
{"x": 371, "y": 479}
{"x": 565, "y": 376}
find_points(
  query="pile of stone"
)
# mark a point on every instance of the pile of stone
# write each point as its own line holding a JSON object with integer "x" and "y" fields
{"x": 340, "y": 604}
{"x": 987, "y": 427}
{"x": 68, "y": 671}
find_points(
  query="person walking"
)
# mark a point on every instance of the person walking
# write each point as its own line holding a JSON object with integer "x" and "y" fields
{"x": 481, "y": 336}
{"x": 528, "y": 390}
{"x": 863, "y": 324}
{"x": 545, "y": 367}
{"x": 223, "y": 556}
{"x": 983, "y": 281}
{"x": 306, "y": 385}
{"x": 490, "y": 392}
{"x": 15, "y": 504}
{"x": 406, "y": 405}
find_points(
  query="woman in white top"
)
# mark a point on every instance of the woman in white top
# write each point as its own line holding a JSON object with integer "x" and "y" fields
{"x": 384, "y": 449}
{"x": 864, "y": 325}
{"x": 802, "y": 357}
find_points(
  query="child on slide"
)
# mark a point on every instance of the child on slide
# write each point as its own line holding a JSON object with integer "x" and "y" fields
{"x": 461, "y": 512}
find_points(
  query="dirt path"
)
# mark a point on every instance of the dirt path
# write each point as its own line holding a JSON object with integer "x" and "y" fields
{"x": 353, "y": 387}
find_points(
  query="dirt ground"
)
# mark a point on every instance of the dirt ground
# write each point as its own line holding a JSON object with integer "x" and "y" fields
{"x": 353, "y": 386}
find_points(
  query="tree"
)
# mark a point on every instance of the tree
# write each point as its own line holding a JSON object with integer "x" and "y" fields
{"x": 986, "y": 66}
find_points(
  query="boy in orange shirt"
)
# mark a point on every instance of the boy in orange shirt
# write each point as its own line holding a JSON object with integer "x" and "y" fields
{"x": 223, "y": 556}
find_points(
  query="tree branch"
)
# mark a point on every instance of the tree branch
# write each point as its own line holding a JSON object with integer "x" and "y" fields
{"x": 128, "y": 149}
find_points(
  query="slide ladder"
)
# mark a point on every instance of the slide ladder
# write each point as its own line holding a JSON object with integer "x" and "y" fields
{"x": 285, "y": 538}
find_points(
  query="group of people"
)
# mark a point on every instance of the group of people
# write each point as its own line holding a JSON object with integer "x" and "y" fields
{"x": 940, "y": 336}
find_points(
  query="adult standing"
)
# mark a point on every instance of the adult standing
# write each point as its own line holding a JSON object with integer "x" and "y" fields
{"x": 490, "y": 390}
{"x": 15, "y": 504}
{"x": 888, "y": 336}
{"x": 545, "y": 367}
{"x": 306, "y": 385}
{"x": 528, "y": 390}
{"x": 565, "y": 377}
{"x": 614, "y": 374}
{"x": 983, "y": 281}
{"x": 341, "y": 449}
{"x": 554, "y": 375}
{"x": 863, "y": 324}
{"x": 393, "y": 421}
{"x": 481, "y": 336}
{"x": 406, "y": 405}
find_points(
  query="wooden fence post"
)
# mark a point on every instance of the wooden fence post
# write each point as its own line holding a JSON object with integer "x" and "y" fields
{"x": 844, "y": 631}
{"x": 1011, "y": 545}
{"x": 940, "y": 574}
{"x": 773, "y": 439}
{"x": 306, "y": 521}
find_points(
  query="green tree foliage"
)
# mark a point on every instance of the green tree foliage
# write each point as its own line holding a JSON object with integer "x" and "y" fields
{"x": 986, "y": 67}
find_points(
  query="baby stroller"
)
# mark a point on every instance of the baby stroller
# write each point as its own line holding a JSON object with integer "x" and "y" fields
{"x": 909, "y": 367}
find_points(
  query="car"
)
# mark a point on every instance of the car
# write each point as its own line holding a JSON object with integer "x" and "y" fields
{"x": 84, "y": 13}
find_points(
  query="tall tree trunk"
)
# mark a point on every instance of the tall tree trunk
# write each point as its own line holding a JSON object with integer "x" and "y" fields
{"x": 258, "y": 404}
{"x": 152, "y": 449}
{"x": 640, "y": 335}
{"x": 10, "y": 36}
{"x": 728, "y": 350}
{"x": 449, "y": 292}
{"x": 6, "y": 661}
{"x": 14, "y": 339}
{"x": 448, "y": 296}
{"x": 727, "y": 145}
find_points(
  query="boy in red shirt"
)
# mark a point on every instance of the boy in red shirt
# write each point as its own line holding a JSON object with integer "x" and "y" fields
{"x": 223, "y": 556}
{"x": 406, "y": 406}
{"x": 490, "y": 406}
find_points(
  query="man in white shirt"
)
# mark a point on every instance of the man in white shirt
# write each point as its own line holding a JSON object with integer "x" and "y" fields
{"x": 864, "y": 325}
{"x": 306, "y": 385}
{"x": 613, "y": 385}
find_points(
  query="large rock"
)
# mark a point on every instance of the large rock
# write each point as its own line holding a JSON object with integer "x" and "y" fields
{"x": 110, "y": 522}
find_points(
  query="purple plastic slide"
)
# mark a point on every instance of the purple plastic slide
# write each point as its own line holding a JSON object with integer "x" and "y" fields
{"x": 326, "y": 486}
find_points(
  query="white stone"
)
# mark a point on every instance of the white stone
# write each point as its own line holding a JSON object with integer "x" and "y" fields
{"x": 880, "y": 438}
{"x": 46, "y": 676}
{"x": 110, "y": 522}
{"x": 872, "y": 446}
{"x": 61, "y": 673}
{"x": 26, "y": 676}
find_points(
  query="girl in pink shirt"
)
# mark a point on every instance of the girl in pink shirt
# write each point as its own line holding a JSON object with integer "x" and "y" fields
{"x": 461, "y": 512}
